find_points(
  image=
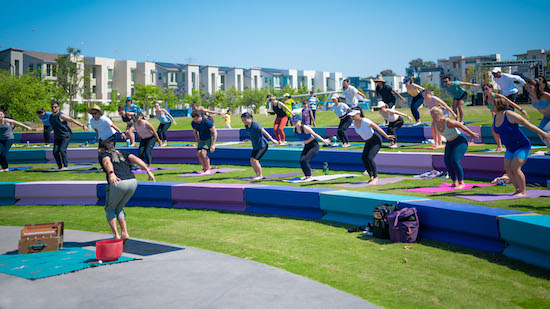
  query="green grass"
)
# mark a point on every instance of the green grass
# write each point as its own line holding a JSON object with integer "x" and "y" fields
{"x": 539, "y": 205}
{"x": 435, "y": 274}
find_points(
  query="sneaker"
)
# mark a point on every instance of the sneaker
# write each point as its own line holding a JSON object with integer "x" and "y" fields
{"x": 393, "y": 146}
{"x": 366, "y": 173}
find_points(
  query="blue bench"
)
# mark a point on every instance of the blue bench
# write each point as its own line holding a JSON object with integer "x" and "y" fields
{"x": 284, "y": 201}
{"x": 148, "y": 194}
{"x": 27, "y": 156}
{"x": 354, "y": 207}
{"x": 7, "y": 193}
{"x": 528, "y": 238}
{"x": 466, "y": 225}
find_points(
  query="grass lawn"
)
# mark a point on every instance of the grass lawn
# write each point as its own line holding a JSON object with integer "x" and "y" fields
{"x": 429, "y": 274}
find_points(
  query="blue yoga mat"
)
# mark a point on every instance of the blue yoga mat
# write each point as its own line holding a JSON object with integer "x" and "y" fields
{"x": 48, "y": 264}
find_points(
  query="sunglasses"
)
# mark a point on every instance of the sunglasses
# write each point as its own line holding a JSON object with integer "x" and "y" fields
{"x": 94, "y": 113}
{"x": 485, "y": 89}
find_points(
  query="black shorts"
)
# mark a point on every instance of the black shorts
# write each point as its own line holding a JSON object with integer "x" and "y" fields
{"x": 258, "y": 154}
{"x": 464, "y": 97}
{"x": 129, "y": 124}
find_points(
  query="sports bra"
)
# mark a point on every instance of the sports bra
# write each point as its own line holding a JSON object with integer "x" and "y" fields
{"x": 391, "y": 117}
{"x": 413, "y": 91}
{"x": 448, "y": 133}
{"x": 302, "y": 136}
{"x": 540, "y": 104}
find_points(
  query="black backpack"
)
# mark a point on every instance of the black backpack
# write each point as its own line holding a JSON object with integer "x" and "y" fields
{"x": 380, "y": 228}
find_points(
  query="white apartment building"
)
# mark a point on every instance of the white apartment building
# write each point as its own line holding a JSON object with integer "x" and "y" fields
{"x": 307, "y": 78}
{"x": 231, "y": 77}
{"x": 146, "y": 73}
{"x": 101, "y": 79}
{"x": 272, "y": 78}
{"x": 456, "y": 66}
{"x": 335, "y": 81}
{"x": 396, "y": 82}
{"x": 290, "y": 78}
{"x": 321, "y": 81}
{"x": 191, "y": 74}
{"x": 253, "y": 78}
{"x": 209, "y": 78}
{"x": 125, "y": 77}
{"x": 430, "y": 76}
{"x": 167, "y": 74}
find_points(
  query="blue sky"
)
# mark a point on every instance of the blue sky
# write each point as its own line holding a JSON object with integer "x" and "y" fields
{"x": 354, "y": 37}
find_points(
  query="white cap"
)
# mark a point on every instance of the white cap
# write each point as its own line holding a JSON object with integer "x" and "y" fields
{"x": 335, "y": 96}
{"x": 353, "y": 112}
{"x": 287, "y": 95}
{"x": 380, "y": 104}
{"x": 497, "y": 70}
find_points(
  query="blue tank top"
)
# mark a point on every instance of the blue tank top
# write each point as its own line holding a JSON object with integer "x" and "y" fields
{"x": 540, "y": 104}
{"x": 60, "y": 128}
{"x": 163, "y": 118}
{"x": 510, "y": 134}
{"x": 302, "y": 136}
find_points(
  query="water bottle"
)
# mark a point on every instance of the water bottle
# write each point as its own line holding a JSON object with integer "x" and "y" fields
{"x": 128, "y": 143}
{"x": 325, "y": 168}
{"x": 28, "y": 144}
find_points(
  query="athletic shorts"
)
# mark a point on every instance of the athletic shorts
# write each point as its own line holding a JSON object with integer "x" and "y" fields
{"x": 204, "y": 144}
{"x": 464, "y": 97}
{"x": 258, "y": 154}
{"x": 522, "y": 153}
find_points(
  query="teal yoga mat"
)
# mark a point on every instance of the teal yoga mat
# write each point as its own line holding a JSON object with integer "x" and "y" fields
{"x": 47, "y": 264}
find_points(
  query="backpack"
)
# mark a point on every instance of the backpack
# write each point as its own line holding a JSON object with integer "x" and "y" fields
{"x": 404, "y": 225}
{"x": 380, "y": 224}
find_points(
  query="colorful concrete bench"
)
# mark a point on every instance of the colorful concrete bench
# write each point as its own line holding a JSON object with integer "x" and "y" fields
{"x": 77, "y": 155}
{"x": 537, "y": 169}
{"x": 7, "y": 193}
{"x": 284, "y": 201}
{"x": 175, "y": 155}
{"x": 148, "y": 194}
{"x": 475, "y": 165}
{"x": 466, "y": 225}
{"x": 527, "y": 237}
{"x": 228, "y": 135}
{"x": 354, "y": 207}
{"x": 57, "y": 193}
{"x": 27, "y": 156}
{"x": 221, "y": 196}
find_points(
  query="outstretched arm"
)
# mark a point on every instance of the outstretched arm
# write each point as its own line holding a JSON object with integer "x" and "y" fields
{"x": 468, "y": 84}
{"x": 377, "y": 128}
{"x": 317, "y": 136}
{"x": 417, "y": 86}
{"x": 397, "y": 93}
{"x": 455, "y": 124}
{"x": 516, "y": 118}
{"x": 137, "y": 161}
{"x": 274, "y": 141}
{"x": 284, "y": 106}
{"x": 391, "y": 111}
{"x": 170, "y": 116}
{"x": 445, "y": 106}
{"x": 18, "y": 123}
{"x": 70, "y": 119}
{"x": 514, "y": 105}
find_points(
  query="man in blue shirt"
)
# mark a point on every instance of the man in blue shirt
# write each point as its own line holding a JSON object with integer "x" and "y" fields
{"x": 44, "y": 116}
{"x": 205, "y": 134}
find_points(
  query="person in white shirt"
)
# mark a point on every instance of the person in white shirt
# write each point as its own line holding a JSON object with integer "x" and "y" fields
{"x": 373, "y": 141}
{"x": 351, "y": 94}
{"x": 105, "y": 128}
{"x": 506, "y": 83}
{"x": 313, "y": 101}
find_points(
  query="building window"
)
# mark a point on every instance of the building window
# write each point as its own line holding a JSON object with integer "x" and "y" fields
{"x": 48, "y": 70}
{"x": 290, "y": 81}
{"x": 222, "y": 82}
{"x": 326, "y": 83}
{"x": 152, "y": 77}
{"x": 110, "y": 85}
{"x": 54, "y": 70}
{"x": 94, "y": 89}
{"x": 265, "y": 81}
{"x": 133, "y": 74}
{"x": 110, "y": 75}
{"x": 313, "y": 84}
{"x": 133, "y": 91}
{"x": 255, "y": 82}
{"x": 172, "y": 77}
{"x": 213, "y": 76}
{"x": 160, "y": 76}
{"x": 93, "y": 72}
{"x": 193, "y": 77}
{"x": 31, "y": 67}
{"x": 239, "y": 82}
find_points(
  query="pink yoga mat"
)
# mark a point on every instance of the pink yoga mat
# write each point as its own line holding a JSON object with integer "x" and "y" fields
{"x": 381, "y": 181}
{"x": 506, "y": 196}
{"x": 445, "y": 187}
{"x": 212, "y": 172}
{"x": 154, "y": 169}
{"x": 273, "y": 176}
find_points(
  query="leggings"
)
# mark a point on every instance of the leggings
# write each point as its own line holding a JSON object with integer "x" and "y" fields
{"x": 544, "y": 121}
{"x": 60, "y": 151}
{"x": 415, "y": 104}
{"x": 145, "y": 148}
{"x": 372, "y": 146}
{"x": 163, "y": 127}
{"x": 47, "y": 130}
{"x": 394, "y": 126}
{"x": 342, "y": 127}
{"x": 5, "y": 146}
{"x": 278, "y": 127}
{"x": 118, "y": 196}
{"x": 454, "y": 151}
{"x": 310, "y": 150}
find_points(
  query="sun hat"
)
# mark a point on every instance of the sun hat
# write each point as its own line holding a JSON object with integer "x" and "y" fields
{"x": 296, "y": 117}
{"x": 379, "y": 79}
{"x": 353, "y": 112}
{"x": 496, "y": 70}
{"x": 95, "y": 107}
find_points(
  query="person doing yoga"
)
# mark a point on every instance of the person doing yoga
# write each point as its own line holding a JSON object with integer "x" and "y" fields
{"x": 311, "y": 147}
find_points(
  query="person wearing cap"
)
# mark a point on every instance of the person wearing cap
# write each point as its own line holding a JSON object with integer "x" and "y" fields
{"x": 256, "y": 135}
{"x": 373, "y": 141}
{"x": 351, "y": 94}
{"x": 341, "y": 110}
{"x": 62, "y": 135}
{"x": 414, "y": 91}
{"x": 103, "y": 126}
{"x": 431, "y": 101}
{"x": 506, "y": 82}
{"x": 281, "y": 111}
{"x": 147, "y": 136}
{"x": 308, "y": 117}
{"x": 311, "y": 147}
{"x": 131, "y": 108}
{"x": 130, "y": 121}
{"x": 459, "y": 95}
{"x": 289, "y": 102}
{"x": 205, "y": 134}
{"x": 393, "y": 118}
{"x": 44, "y": 117}
{"x": 386, "y": 92}
{"x": 313, "y": 101}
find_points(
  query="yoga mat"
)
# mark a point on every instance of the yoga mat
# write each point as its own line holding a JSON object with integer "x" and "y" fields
{"x": 340, "y": 146}
{"x": 445, "y": 187}
{"x": 92, "y": 170}
{"x": 272, "y": 176}
{"x": 47, "y": 264}
{"x": 505, "y": 196}
{"x": 138, "y": 171}
{"x": 402, "y": 145}
{"x": 381, "y": 181}
{"x": 19, "y": 168}
{"x": 429, "y": 147}
{"x": 70, "y": 168}
{"x": 488, "y": 150}
{"x": 320, "y": 178}
{"x": 212, "y": 172}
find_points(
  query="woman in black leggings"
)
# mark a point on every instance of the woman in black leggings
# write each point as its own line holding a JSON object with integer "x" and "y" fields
{"x": 393, "y": 118}
{"x": 311, "y": 147}
{"x": 62, "y": 135}
{"x": 364, "y": 127}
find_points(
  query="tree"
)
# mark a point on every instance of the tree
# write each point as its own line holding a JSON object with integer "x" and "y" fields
{"x": 413, "y": 66}
{"x": 21, "y": 96}
{"x": 387, "y": 72}
{"x": 254, "y": 98}
{"x": 429, "y": 64}
{"x": 146, "y": 95}
{"x": 169, "y": 96}
{"x": 71, "y": 74}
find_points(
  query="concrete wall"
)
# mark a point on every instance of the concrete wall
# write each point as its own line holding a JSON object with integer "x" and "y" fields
{"x": 123, "y": 83}
{"x": 234, "y": 78}
{"x": 253, "y": 79}
{"x": 209, "y": 79}
{"x": 306, "y": 77}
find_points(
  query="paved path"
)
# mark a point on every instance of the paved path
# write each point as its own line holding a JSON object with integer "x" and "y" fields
{"x": 167, "y": 276}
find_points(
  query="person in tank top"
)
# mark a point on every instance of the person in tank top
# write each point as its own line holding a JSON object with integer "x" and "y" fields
{"x": 394, "y": 119}
{"x": 62, "y": 135}
{"x": 148, "y": 136}
{"x": 165, "y": 121}
{"x": 431, "y": 101}
{"x": 311, "y": 147}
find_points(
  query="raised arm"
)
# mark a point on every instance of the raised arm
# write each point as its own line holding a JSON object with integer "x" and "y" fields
{"x": 514, "y": 105}
{"x": 204, "y": 110}
{"x": 70, "y": 119}
{"x": 468, "y": 84}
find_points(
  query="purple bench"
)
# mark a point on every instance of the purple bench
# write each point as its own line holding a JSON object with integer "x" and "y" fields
{"x": 77, "y": 155}
{"x": 221, "y": 196}
{"x": 175, "y": 155}
{"x": 475, "y": 165}
{"x": 57, "y": 193}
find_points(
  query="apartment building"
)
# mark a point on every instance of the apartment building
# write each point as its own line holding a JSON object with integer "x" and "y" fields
{"x": 209, "y": 78}
{"x": 306, "y": 78}
{"x": 253, "y": 78}
{"x": 231, "y": 77}
{"x": 100, "y": 83}
{"x": 335, "y": 81}
{"x": 539, "y": 60}
{"x": 430, "y": 76}
{"x": 455, "y": 67}
{"x": 321, "y": 81}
